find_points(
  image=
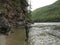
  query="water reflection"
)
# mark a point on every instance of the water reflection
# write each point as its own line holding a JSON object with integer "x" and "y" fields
{"x": 45, "y": 34}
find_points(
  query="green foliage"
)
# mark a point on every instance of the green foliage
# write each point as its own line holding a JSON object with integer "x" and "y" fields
{"x": 50, "y": 13}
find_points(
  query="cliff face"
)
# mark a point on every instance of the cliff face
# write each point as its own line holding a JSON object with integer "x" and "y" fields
{"x": 50, "y": 13}
{"x": 15, "y": 11}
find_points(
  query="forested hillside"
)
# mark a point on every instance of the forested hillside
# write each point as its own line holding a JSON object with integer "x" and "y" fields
{"x": 50, "y": 13}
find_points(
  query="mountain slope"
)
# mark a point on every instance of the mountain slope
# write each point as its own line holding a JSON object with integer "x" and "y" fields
{"x": 50, "y": 13}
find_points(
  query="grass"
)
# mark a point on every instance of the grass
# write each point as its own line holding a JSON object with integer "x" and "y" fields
{"x": 18, "y": 38}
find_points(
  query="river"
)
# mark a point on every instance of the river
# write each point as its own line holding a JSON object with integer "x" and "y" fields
{"x": 44, "y": 34}
{"x": 2, "y": 39}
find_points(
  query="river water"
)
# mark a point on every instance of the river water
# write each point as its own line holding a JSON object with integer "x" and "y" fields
{"x": 44, "y": 34}
{"x": 2, "y": 39}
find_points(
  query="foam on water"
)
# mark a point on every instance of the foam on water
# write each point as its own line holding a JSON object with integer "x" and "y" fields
{"x": 44, "y": 35}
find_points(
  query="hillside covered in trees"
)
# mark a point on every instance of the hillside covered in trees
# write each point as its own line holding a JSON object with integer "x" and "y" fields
{"x": 50, "y": 13}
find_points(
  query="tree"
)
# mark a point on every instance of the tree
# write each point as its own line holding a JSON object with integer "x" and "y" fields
{"x": 15, "y": 10}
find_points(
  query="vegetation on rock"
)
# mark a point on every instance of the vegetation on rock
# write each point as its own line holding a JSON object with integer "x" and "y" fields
{"x": 15, "y": 11}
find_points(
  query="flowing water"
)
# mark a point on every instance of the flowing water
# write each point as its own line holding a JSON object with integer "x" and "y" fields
{"x": 45, "y": 34}
{"x": 2, "y": 40}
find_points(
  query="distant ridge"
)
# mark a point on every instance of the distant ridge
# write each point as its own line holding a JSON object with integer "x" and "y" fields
{"x": 50, "y": 13}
